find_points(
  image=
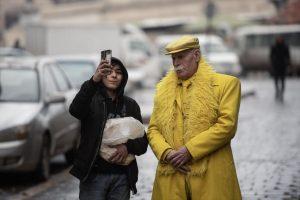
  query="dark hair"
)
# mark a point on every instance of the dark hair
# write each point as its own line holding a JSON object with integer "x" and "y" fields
{"x": 116, "y": 61}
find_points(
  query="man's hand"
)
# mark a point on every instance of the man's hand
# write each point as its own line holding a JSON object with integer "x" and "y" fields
{"x": 183, "y": 169}
{"x": 102, "y": 70}
{"x": 179, "y": 158}
{"x": 174, "y": 155}
{"x": 120, "y": 155}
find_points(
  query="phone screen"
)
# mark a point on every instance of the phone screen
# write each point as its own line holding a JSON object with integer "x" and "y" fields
{"x": 106, "y": 55}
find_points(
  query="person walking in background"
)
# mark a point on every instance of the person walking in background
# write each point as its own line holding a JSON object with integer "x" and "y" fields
{"x": 280, "y": 60}
{"x": 101, "y": 98}
{"x": 17, "y": 44}
{"x": 194, "y": 118}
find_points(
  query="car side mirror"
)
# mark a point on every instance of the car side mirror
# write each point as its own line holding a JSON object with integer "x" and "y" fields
{"x": 55, "y": 99}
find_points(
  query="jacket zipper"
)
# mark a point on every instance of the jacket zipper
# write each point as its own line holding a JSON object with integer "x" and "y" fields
{"x": 99, "y": 143}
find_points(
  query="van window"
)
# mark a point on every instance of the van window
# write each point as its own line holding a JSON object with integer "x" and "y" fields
{"x": 262, "y": 40}
{"x": 259, "y": 40}
{"x": 293, "y": 39}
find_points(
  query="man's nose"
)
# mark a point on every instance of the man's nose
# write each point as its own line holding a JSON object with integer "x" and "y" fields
{"x": 176, "y": 62}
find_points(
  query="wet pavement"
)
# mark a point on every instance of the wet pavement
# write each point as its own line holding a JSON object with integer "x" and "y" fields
{"x": 266, "y": 147}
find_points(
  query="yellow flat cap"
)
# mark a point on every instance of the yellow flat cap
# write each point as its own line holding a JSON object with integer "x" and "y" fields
{"x": 183, "y": 43}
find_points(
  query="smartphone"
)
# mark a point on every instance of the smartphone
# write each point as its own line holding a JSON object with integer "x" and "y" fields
{"x": 106, "y": 55}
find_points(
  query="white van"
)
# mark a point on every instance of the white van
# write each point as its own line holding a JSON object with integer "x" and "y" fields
{"x": 213, "y": 49}
{"x": 126, "y": 41}
{"x": 254, "y": 43}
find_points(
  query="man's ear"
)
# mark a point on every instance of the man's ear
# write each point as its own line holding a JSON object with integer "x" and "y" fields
{"x": 197, "y": 55}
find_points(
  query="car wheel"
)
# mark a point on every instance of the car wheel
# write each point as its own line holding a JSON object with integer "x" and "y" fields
{"x": 43, "y": 169}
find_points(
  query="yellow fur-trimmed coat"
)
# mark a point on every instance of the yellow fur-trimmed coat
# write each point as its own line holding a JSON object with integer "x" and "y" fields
{"x": 210, "y": 121}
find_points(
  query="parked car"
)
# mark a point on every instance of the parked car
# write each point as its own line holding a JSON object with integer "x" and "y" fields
{"x": 35, "y": 123}
{"x": 213, "y": 48}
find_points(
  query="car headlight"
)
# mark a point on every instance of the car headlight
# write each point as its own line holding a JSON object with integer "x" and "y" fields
{"x": 14, "y": 133}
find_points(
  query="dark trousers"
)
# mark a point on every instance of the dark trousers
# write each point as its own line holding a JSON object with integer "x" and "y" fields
{"x": 279, "y": 78}
{"x": 105, "y": 187}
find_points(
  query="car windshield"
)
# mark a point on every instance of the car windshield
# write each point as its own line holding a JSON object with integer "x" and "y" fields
{"x": 77, "y": 71}
{"x": 215, "y": 48}
{"x": 19, "y": 85}
{"x": 140, "y": 46}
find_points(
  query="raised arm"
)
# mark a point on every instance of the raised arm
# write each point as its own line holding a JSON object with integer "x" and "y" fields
{"x": 79, "y": 107}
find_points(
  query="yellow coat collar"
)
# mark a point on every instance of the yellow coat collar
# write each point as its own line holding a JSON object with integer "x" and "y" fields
{"x": 202, "y": 103}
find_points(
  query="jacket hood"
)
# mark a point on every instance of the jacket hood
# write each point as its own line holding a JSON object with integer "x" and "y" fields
{"x": 121, "y": 88}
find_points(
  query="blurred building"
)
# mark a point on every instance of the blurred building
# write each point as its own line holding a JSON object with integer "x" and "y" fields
{"x": 9, "y": 15}
{"x": 229, "y": 13}
{"x": 139, "y": 10}
{"x": 289, "y": 14}
{"x": 156, "y": 13}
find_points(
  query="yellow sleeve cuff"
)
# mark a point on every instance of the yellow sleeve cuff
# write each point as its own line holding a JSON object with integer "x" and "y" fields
{"x": 165, "y": 153}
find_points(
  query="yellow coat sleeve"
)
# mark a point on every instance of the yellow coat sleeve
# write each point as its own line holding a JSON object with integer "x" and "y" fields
{"x": 224, "y": 129}
{"x": 156, "y": 140}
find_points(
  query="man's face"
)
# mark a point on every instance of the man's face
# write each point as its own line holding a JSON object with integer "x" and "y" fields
{"x": 279, "y": 40}
{"x": 113, "y": 80}
{"x": 186, "y": 63}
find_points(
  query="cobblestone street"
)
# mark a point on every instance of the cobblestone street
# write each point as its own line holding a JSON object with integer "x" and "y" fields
{"x": 266, "y": 148}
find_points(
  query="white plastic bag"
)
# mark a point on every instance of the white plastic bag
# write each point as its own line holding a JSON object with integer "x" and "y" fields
{"x": 118, "y": 131}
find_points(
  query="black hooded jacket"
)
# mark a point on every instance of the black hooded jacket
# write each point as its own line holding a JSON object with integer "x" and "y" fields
{"x": 90, "y": 107}
{"x": 280, "y": 57}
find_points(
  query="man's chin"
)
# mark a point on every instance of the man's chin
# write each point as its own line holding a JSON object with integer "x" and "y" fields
{"x": 180, "y": 75}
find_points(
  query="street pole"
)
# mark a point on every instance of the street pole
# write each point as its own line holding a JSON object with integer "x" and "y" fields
{"x": 210, "y": 11}
{"x": 2, "y": 23}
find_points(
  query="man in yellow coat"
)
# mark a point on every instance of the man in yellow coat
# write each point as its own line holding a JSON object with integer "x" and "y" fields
{"x": 193, "y": 121}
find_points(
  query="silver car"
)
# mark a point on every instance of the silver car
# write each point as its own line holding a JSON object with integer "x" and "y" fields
{"x": 34, "y": 120}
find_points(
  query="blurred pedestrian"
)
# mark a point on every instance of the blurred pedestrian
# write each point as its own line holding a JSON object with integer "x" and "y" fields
{"x": 17, "y": 44}
{"x": 194, "y": 118}
{"x": 280, "y": 60}
{"x": 99, "y": 99}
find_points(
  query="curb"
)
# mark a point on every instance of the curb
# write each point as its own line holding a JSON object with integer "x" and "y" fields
{"x": 32, "y": 191}
{"x": 248, "y": 93}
